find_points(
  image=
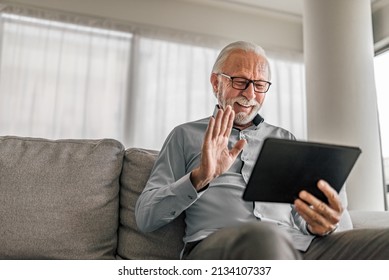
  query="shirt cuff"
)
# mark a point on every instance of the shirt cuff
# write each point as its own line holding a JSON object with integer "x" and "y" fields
{"x": 185, "y": 191}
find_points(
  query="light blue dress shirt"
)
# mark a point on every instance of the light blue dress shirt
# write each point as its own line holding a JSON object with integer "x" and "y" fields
{"x": 169, "y": 190}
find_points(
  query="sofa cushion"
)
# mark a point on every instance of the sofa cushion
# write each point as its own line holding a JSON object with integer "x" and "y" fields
{"x": 164, "y": 243}
{"x": 59, "y": 199}
{"x": 345, "y": 220}
{"x": 369, "y": 218}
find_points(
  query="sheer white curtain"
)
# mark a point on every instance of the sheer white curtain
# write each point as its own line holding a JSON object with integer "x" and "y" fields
{"x": 73, "y": 77}
{"x": 285, "y": 103}
{"x": 170, "y": 86}
{"x": 61, "y": 79}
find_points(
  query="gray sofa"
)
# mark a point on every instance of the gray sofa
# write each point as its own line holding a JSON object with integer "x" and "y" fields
{"x": 75, "y": 199}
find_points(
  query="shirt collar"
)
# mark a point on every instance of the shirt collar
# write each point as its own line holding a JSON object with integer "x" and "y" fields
{"x": 256, "y": 121}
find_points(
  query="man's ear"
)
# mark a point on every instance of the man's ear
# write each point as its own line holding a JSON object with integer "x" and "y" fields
{"x": 214, "y": 82}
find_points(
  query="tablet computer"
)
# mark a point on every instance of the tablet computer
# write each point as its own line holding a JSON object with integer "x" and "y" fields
{"x": 285, "y": 167}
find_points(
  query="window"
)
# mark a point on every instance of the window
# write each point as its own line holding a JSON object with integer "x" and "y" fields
{"x": 381, "y": 65}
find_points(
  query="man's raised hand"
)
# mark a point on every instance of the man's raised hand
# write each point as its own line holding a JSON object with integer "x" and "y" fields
{"x": 216, "y": 158}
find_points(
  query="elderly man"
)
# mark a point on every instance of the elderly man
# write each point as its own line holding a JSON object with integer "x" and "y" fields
{"x": 203, "y": 168}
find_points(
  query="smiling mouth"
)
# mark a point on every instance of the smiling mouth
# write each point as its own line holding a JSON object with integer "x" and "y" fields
{"x": 244, "y": 105}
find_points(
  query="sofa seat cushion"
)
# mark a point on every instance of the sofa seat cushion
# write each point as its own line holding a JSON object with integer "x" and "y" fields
{"x": 164, "y": 243}
{"x": 59, "y": 199}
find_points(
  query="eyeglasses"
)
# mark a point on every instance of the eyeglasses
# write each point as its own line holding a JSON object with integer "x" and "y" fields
{"x": 241, "y": 83}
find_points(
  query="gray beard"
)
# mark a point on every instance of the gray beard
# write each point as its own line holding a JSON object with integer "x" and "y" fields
{"x": 242, "y": 118}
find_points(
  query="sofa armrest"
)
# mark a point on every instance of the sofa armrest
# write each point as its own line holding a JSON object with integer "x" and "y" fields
{"x": 369, "y": 219}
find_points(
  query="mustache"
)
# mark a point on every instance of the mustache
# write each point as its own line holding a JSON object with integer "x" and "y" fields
{"x": 243, "y": 101}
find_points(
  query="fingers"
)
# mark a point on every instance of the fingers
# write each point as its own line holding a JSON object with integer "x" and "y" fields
{"x": 331, "y": 194}
{"x": 319, "y": 223}
{"x": 209, "y": 131}
{"x": 230, "y": 121}
{"x": 321, "y": 218}
{"x": 218, "y": 118}
{"x": 334, "y": 203}
{"x": 216, "y": 157}
{"x": 223, "y": 123}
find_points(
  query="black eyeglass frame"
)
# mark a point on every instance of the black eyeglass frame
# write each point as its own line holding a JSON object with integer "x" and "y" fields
{"x": 248, "y": 82}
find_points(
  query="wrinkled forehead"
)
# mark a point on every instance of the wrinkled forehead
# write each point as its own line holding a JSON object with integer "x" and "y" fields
{"x": 246, "y": 62}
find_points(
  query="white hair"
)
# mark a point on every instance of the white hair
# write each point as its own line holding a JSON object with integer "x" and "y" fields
{"x": 239, "y": 45}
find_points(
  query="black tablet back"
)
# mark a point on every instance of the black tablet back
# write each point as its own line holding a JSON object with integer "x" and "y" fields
{"x": 285, "y": 167}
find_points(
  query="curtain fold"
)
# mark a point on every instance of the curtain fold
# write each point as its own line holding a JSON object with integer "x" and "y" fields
{"x": 71, "y": 76}
{"x": 171, "y": 87}
{"x": 61, "y": 79}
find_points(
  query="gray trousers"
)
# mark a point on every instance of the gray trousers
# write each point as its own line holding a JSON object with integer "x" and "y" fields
{"x": 263, "y": 241}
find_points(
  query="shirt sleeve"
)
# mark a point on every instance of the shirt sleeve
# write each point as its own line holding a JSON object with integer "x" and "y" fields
{"x": 300, "y": 223}
{"x": 169, "y": 190}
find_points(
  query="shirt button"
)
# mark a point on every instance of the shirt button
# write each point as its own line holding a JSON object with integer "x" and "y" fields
{"x": 190, "y": 197}
{"x": 173, "y": 213}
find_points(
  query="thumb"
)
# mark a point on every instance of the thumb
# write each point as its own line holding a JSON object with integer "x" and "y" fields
{"x": 235, "y": 151}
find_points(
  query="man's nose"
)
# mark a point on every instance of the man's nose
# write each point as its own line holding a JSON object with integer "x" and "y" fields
{"x": 249, "y": 92}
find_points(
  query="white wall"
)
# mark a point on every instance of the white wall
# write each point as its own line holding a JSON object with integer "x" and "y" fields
{"x": 272, "y": 32}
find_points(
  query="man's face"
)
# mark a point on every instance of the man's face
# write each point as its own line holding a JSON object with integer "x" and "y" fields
{"x": 246, "y": 103}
